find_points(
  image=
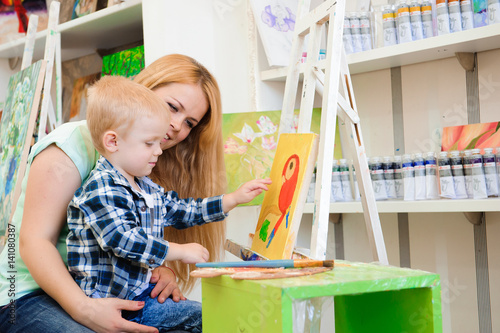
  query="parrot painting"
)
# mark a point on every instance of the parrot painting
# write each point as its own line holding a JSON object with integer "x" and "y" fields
{"x": 289, "y": 179}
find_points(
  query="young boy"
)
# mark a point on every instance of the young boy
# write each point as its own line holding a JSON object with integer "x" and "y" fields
{"x": 116, "y": 218}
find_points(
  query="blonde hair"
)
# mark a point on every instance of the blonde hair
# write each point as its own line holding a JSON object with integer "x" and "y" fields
{"x": 114, "y": 103}
{"x": 194, "y": 167}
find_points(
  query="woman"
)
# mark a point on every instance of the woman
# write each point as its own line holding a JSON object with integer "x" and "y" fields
{"x": 192, "y": 164}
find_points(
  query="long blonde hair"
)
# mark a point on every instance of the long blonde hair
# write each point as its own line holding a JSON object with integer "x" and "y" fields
{"x": 194, "y": 167}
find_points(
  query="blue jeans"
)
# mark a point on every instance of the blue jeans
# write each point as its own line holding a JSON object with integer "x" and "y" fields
{"x": 167, "y": 316}
{"x": 37, "y": 312}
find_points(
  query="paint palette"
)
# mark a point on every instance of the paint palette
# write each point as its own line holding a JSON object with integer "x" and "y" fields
{"x": 257, "y": 273}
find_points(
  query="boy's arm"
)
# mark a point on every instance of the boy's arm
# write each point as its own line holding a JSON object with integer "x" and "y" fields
{"x": 184, "y": 213}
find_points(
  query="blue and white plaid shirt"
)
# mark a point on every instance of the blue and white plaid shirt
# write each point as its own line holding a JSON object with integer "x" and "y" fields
{"x": 115, "y": 238}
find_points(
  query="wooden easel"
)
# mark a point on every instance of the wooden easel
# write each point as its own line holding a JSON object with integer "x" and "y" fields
{"x": 328, "y": 84}
{"x": 52, "y": 54}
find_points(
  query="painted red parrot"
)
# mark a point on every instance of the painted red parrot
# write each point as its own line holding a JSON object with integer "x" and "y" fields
{"x": 289, "y": 183}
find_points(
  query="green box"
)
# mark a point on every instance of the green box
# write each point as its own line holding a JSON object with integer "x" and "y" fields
{"x": 367, "y": 298}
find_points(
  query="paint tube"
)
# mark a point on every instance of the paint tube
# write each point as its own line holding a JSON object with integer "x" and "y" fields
{"x": 419, "y": 171}
{"x": 378, "y": 181}
{"x": 455, "y": 15}
{"x": 345, "y": 180}
{"x": 427, "y": 27}
{"x": 457, "y": 170}
{"x": 416, "y": 21}
{"x": 398, "y": 177}
{"x": 408, "y": 178}
{"x": 312, "y": 187}
{"x": 443, "y": 17}
{"x": 336, "y": 187}
{"x": 355, "y": 32}
{"x": 431, "y": 182}
{"x": 403, "y": 22}
{"x": 388, "y": 167}
{"x": 357, "y": 197}
{"x": 480, "y": 8}
{"x": 347, "y": 36}
{"x": 389, "y": 26}
{"x": 445, "y": 176}
{"x": 478, "y": 180}
{"x": 493, "y": 11}
{"x": 490, "y": 172}
{"x": 365, "y": 29}
{"x": 467, "y": 14}
{"x": 468, "y": 173}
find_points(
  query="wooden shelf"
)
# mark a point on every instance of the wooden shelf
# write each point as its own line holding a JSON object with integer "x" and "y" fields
{"x": 107, "y": 28}
{"x": 438, "y": 47}
{"x": 423, "y": 206}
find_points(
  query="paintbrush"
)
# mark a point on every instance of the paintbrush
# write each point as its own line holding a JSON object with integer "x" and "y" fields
{"x": 287, "y": 263}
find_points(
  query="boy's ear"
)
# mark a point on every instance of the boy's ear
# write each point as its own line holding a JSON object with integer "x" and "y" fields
{"x": 110, "y": 141}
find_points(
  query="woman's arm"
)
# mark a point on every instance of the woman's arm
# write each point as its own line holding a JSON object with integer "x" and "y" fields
{"x": 53, "y": 179}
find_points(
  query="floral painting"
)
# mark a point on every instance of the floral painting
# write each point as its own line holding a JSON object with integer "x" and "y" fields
{"x": 250, "y": 140}
{"x": 485, "y": 135}
{"x": 16, "y": 131}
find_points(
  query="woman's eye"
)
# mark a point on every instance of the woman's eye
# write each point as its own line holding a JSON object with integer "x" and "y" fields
{"x": 149, "y": 144}
{"x": 190, "y": 124}
{"x": 173, "y": 107}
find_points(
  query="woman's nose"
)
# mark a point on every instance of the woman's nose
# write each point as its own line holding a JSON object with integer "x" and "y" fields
{"x": 175, "y": 123}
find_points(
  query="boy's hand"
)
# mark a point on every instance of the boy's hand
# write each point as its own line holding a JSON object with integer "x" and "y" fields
{"x": 246, "y": 193}
{"x": 190, "y": 253}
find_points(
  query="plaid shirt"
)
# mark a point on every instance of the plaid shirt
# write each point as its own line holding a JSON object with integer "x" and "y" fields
{"x": 115, "y": 238}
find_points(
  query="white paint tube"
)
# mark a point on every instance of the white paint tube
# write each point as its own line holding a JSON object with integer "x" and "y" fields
{"x": 398, "y": 177}
{"x": 478, "y": 179}
{"x": 457, "y": 171}
{"x": 389, "y": 26}
{"x": 493, "y": 11}
{"x": 408, "y": 178}
{"x": 347, "y": 36}
{"x": 455, "y": 15}
{"x": 365, "y": 29}
{"x": 427, "y": 26}
{"x": 416, "y": 21}
{"x": 419, "y": 171}
{"x": 445, "y": 176}
{"x": 403, "y": 22}
{"x": 443, "y": 17}
{"x": 377, "y": 176}
{"x": 336, "y": 187}
{"x": 345, "y": 180}
{"x": 431, "y": 182}
{"x": 467, "y": 14}
{"x": 355, "y": 32}
{"x": 468, "y": 173}
{"x": 390, "y": 187}
{"x": 490, "y": 173}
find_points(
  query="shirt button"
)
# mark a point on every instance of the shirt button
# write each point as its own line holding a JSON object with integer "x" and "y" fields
{"x": 143, "y": 208}
{"x": 144, "y": 271}
{"x": 151, "y": 261}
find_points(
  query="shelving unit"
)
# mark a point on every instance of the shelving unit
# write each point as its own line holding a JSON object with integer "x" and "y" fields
{"x": 107, "y": 28}
{"x": 435, "y": 48}
{"x": 432, "y": 206}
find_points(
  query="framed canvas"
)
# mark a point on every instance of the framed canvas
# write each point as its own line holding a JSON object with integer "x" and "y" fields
{"x": 275, "y": 20}
{"x": 16, "y": 131}
{"x": 281, "y": 210}
{"x": 484, "y": 135}
{"x": 78, "y": 109}
{"x": 85, "y": 7}
{"x": 250, "y": 141}
{"x": 127, "y": 63}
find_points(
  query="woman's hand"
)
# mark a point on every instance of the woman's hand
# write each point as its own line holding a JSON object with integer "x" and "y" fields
{"x": 166, "y": 285}
{"x": 103, "y": 315}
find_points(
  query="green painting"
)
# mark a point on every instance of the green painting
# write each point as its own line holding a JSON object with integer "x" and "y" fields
{"x": 250, "y": 140}
{"x": 16, "y": 131}
{"x": 127, "y": 63}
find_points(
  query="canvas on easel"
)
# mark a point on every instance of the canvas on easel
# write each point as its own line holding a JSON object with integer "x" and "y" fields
{"x": 16, "y": 131}
{"x": 281, "y": 210}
